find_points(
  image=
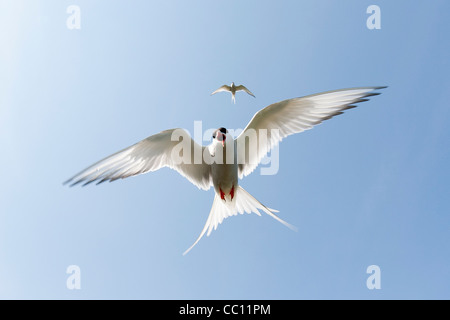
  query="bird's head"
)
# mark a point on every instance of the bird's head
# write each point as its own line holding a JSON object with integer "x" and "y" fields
{"x": 221, "y": 135}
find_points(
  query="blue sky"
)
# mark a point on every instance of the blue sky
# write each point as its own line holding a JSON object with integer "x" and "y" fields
{"x": 369, "y": 187}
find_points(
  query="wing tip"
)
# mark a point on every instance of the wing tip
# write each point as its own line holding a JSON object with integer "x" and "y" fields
{"x": 187, "y": 251}
{"x": 71, "y": 183}
{"x": 368, "y": 87}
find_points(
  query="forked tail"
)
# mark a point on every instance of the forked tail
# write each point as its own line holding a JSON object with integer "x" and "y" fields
{"x": 242, "y": 202}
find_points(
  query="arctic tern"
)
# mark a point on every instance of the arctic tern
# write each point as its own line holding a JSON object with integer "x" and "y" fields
{"x": 269, "y": 126}
{"x": 233, "y": 89}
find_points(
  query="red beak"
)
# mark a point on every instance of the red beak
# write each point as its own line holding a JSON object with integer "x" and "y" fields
{"x": 223, "y": 136}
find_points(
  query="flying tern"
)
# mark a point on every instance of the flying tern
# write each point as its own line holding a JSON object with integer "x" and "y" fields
{"x": 233, "y": 89}
{"x": 269, "y": 126}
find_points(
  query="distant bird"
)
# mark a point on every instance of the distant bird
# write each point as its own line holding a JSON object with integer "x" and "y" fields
{"x": 233, "y": 89}
{"x": 162, "y": 150}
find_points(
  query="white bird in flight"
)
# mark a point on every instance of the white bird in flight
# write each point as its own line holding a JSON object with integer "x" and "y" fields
{"x": 286, "y": 117}
{"x": 233, "y": 89}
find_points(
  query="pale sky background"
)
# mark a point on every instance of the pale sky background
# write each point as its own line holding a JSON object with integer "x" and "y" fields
{"x": 370, "y": 187}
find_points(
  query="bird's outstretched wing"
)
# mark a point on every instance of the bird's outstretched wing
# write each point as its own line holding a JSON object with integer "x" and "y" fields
{"x": 289, "y": 117}
{"x": 157, "y": 151}
{"x": 222, "y": 88}
{"x": 243, "y": 88}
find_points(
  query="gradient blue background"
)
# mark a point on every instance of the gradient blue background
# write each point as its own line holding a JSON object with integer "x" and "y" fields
{"x": 368, "y": 187}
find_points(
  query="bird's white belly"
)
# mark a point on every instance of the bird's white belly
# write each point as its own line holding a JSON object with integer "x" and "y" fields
{"x": 225, "y": 175}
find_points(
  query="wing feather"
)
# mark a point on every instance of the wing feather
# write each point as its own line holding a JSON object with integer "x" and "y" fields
{"x": 150, "y": 154}
{"x": 293, "y": 116}
{"x": 243, "y": 88}
{"x": 222, "y": 88}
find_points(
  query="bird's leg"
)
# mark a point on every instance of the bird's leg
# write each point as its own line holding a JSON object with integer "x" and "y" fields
{"x": 232, "y": 193}
{"x": 222, "y": 194}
